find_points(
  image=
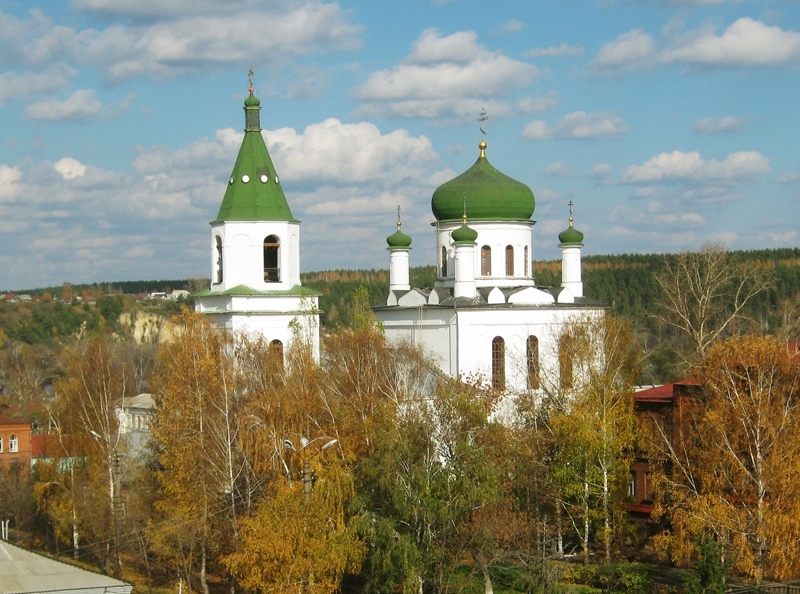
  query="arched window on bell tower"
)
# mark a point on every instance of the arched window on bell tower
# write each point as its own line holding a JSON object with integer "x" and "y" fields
{"x": 525, "y": 252}
{"x": 219, "y": 259}
{"x": 444, "y": 262}
{"x": 509, "y": 260}
{"x": 272, "y": 270}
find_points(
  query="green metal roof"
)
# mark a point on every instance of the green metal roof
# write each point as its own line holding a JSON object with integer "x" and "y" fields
{"x": 244, "y": 290}
{"x": 254, "y": 191}
{"x": 570, "y": 236}
{"x": 490, "y": 195}
{"x": 398, "y": 239}
{"x": 464, "y": 234}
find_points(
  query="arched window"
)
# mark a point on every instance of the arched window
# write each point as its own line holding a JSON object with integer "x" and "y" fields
{"x": 509, "y": 260}
{"x": 276, "y": 353}
{"x": 486, "y": 261}
{"x": 498, "y": 363}
{"x": 444, "y": 262}
{"x": 532, "y": 355}
{"x": 272, "y": 270}
{"x": 13, "y": 445}
{"x": 219, "y": 259}
{"x": 525, "y": 263}
{"x": 565, "y": 362}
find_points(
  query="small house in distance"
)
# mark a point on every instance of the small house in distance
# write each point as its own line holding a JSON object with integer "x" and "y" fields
{"x": 15, "y": 442}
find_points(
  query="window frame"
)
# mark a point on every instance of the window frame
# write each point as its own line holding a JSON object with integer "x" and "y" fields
{"x": 219, "y": 269}
{"x": 443, "y": 263}
{"x": 272, "y": 255}
{"x": 486, "y": 260}
{"x": 509, "y": 260}
{"x": 532, "y": 358}
{"x": 498, "y": 363}
{"x": 13, "y": 444}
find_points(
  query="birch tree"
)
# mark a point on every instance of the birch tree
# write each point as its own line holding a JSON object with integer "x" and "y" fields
{"x": 704, "y": 294}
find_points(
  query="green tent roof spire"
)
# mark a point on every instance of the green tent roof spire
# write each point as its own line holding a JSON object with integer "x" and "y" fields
{"x": 254, "y": 191}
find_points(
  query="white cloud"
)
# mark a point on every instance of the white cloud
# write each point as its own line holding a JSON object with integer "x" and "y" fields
{"x": 70, "y": 168}
{"x": 509, "y": 28}
{"x": 83, "y": 104}
{"x": 634, "y": 50}
{"x": 678, "y": 166}
{"x": 657, "y": 214}
{"x": 558, "y": 169}
{"x": 747, "y": 43}
{"x": 443, "y": 75}
{"x": 165, "y": 48}
{"x": 537, "y": 130}
{"x": 347, "y": 153}
{"x": 601, "y": 171}
{"x": 578, "y": 125}
{"x": 160, "y": 8}
{"x": 9, "y": 182}
{"x": 715, "y": 125}
{"x": 789, "y": 177}
{"x": 30, "y": 84}
{"x": 549, "y": 101}
{"x": 560, "y": 51}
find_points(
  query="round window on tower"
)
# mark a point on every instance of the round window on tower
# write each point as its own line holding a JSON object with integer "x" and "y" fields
{"x": 230, "y": 181}
{"x": 245, "y": 178}
{"x": 276, "y": 179}
{"x": 264, "y": 178}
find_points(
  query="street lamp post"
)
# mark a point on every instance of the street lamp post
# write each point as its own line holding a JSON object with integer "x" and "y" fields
{"x": 307, "y": 475}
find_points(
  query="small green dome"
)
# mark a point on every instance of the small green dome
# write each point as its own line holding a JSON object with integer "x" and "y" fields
{"x": 464, "y": 234}
{"x": 398, "y": 240}
{"x": 490, "y": 194}
{"x": 570, "y": 236}
{"x": 252, "y": 101}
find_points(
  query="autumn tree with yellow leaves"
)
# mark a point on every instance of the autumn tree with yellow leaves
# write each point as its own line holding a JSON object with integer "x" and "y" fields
{"x": 737, "y": 479}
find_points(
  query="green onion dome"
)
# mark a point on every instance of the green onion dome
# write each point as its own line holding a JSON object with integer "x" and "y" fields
{"x": 464, "y": 234}
{"x": 252, "y": 101}
{"x": 398, "y": 240}
{"x": 570, "y": 236}
{"x": 491, "y": 195}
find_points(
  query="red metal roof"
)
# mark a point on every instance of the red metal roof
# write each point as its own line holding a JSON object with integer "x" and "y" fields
{"x": 664, "y": 393}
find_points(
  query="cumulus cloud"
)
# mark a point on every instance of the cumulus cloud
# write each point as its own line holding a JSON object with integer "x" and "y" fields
{"x": 658, "y": 214}
{"x": 558, "y": 169}
{"x": 715, "y": 125}
{"x": 601, "y": 172}
{"x": 680, "y": 166}
{"x": 30, "y": 84}
{"x": 747, "y": 43}
{"x": 81, "y": 105}
{"x": 174, "y": 46}
{"x": 546, "y": 102}
{"x": 578, "y": 125}
{"x": 343, "y": 180}
{"x": 634, "y": 50}
{"x": 160, "y": 8}
{"x": 509, "y": 28}
{"x": 560, "y": 51}
{"x": 443, "y": 75}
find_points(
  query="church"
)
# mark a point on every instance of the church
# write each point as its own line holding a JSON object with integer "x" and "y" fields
{"x": 484, "y": 318}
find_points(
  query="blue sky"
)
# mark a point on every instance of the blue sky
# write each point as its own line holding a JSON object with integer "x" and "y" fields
{"x": 667, "y": 123}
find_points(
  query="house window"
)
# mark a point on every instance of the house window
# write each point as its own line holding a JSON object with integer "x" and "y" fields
{"x": 272, "y": 271}
{"x": 632, "y": 485}
{"x": 276, "y": 353}
{"x": 444, "y": 261}
{"x": 509, "y": 260}
{"x": 1, "y": 445}
{"x": 219, "y": 259}
{"x": 565, "y": 363}
{"x": 13, "y": 445}
{"x": 525, "y": 261}
{"x": 498, "y": 363}
{"x": 532, "y": 355}
{"x": 486, "y": 261}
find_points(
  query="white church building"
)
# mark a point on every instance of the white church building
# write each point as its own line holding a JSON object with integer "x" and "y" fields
{"x": 484, "y": 318}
